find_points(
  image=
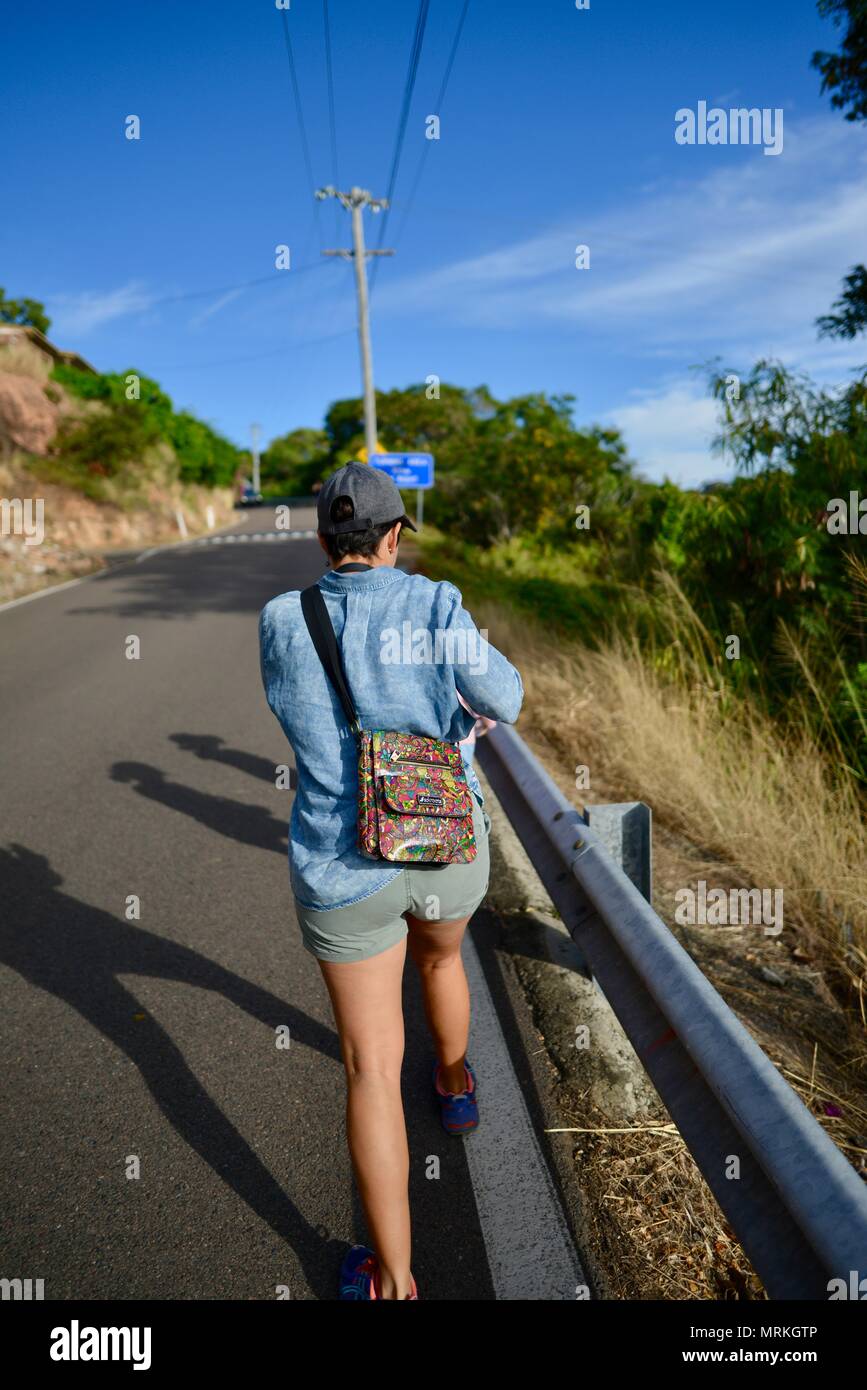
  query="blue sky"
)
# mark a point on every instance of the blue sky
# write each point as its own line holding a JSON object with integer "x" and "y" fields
{"x": 557, "y": 129}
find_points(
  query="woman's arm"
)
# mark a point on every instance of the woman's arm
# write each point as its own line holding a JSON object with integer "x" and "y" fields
{"x": 490, "y": 685}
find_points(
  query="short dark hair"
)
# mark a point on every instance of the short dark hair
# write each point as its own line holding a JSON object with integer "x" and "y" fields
{"x": 353, "y": 542}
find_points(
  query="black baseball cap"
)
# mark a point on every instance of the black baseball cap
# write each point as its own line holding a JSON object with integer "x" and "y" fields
{"x": 374, "y": 496}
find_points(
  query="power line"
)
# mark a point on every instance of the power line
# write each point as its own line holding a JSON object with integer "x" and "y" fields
{"x": 254, "y": 357}
{"x": 302, "y": 129}
{"x": 332, "y": 120}
{"x": 226, "y": 289}
{"x": 438, "y": 108}
{"x": 409, "y": 85}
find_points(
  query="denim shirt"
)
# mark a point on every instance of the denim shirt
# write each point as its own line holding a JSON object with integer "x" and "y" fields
{"x": 406, "y": 644}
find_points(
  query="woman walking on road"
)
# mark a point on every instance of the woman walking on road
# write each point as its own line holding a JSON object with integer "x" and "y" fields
{"x": 410, "y": 660}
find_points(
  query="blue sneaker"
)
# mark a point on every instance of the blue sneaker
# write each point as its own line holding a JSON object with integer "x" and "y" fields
{"x": 458, "y": 1110}
{"x": 359, "y": 1277}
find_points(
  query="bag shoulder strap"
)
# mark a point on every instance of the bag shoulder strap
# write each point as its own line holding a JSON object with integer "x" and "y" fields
{"x": 322, "y": 635}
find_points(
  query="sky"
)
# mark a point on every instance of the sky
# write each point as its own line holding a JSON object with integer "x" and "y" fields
{"x": 557, "y": 130}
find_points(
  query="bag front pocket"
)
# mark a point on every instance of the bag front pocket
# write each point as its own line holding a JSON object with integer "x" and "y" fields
{"x": 425, "y": 789}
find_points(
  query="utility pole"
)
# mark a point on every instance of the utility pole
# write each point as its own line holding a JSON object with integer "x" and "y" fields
{"x": 355, "y": 200}
{"x": 255, "y": 432}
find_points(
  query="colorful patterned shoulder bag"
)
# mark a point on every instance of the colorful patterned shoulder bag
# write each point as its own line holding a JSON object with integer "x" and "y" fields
{"x": 414, "y": 802}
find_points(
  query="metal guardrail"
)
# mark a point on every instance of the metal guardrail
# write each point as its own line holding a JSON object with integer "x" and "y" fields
{"x": 798, "y": 1208}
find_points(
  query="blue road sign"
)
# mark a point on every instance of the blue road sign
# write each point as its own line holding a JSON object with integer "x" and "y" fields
{"x": 407, "y": 470}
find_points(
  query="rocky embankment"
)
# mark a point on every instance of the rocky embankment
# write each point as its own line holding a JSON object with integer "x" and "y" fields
{"x": 50, "y": 532}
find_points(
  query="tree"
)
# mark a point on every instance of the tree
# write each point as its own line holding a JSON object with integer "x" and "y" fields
{"x": 851, "y": 316}
{"x": 800, "y": 447}
{"x": 522, "y": 470}
{"x": 410, "y": 419}
{"x": 844, "y": 75}
{"x": 295, "y": 461}
{"x": 27, "y": 312}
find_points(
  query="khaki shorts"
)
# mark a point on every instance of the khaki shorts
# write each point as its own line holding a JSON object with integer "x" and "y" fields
{"x": 436, "y": 892}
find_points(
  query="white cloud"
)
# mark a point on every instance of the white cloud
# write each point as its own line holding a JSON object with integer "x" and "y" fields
{"x": 670, "y": 431}
{"x": 740, "y": 254}
{"x": 80, "y": 313}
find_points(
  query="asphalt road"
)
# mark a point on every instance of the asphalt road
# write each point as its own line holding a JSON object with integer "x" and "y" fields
{"x": 152, "y": 1037}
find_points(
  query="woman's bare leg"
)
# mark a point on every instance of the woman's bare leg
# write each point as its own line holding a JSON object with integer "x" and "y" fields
{"x": 366, "y": 999}
{"x": 436, "y": 949}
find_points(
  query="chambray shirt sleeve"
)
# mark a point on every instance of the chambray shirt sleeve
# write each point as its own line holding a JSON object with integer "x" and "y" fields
{"x": 269, "y": 664}
{"x": 489, "y": 683}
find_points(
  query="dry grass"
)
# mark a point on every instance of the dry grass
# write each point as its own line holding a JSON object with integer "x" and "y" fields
{"x": 764, "y": 805}
{"x": 672, "y": 1240}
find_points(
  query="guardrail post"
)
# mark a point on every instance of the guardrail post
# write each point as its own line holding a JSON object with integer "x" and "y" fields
{"x": 624, "y": 827}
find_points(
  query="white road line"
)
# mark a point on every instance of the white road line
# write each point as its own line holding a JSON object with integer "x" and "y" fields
{"x": 48, "y": 589}
{"x": 253, "y": 536}
{"x": 71, "y": 583}
{"x": 155, "y": 550}
{"x": 530, "y": 1251}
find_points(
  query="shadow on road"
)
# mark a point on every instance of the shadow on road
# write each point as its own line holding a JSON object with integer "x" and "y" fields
{"x": 76, "y": 952}
{"x": 246, "y": 825}
{"x": 189, "y": 581}
{"x": 211, "y": 748}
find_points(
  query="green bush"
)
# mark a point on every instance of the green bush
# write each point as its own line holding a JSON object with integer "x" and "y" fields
{"x": 203, "y": 456}
{"x": 100, "y": 446}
